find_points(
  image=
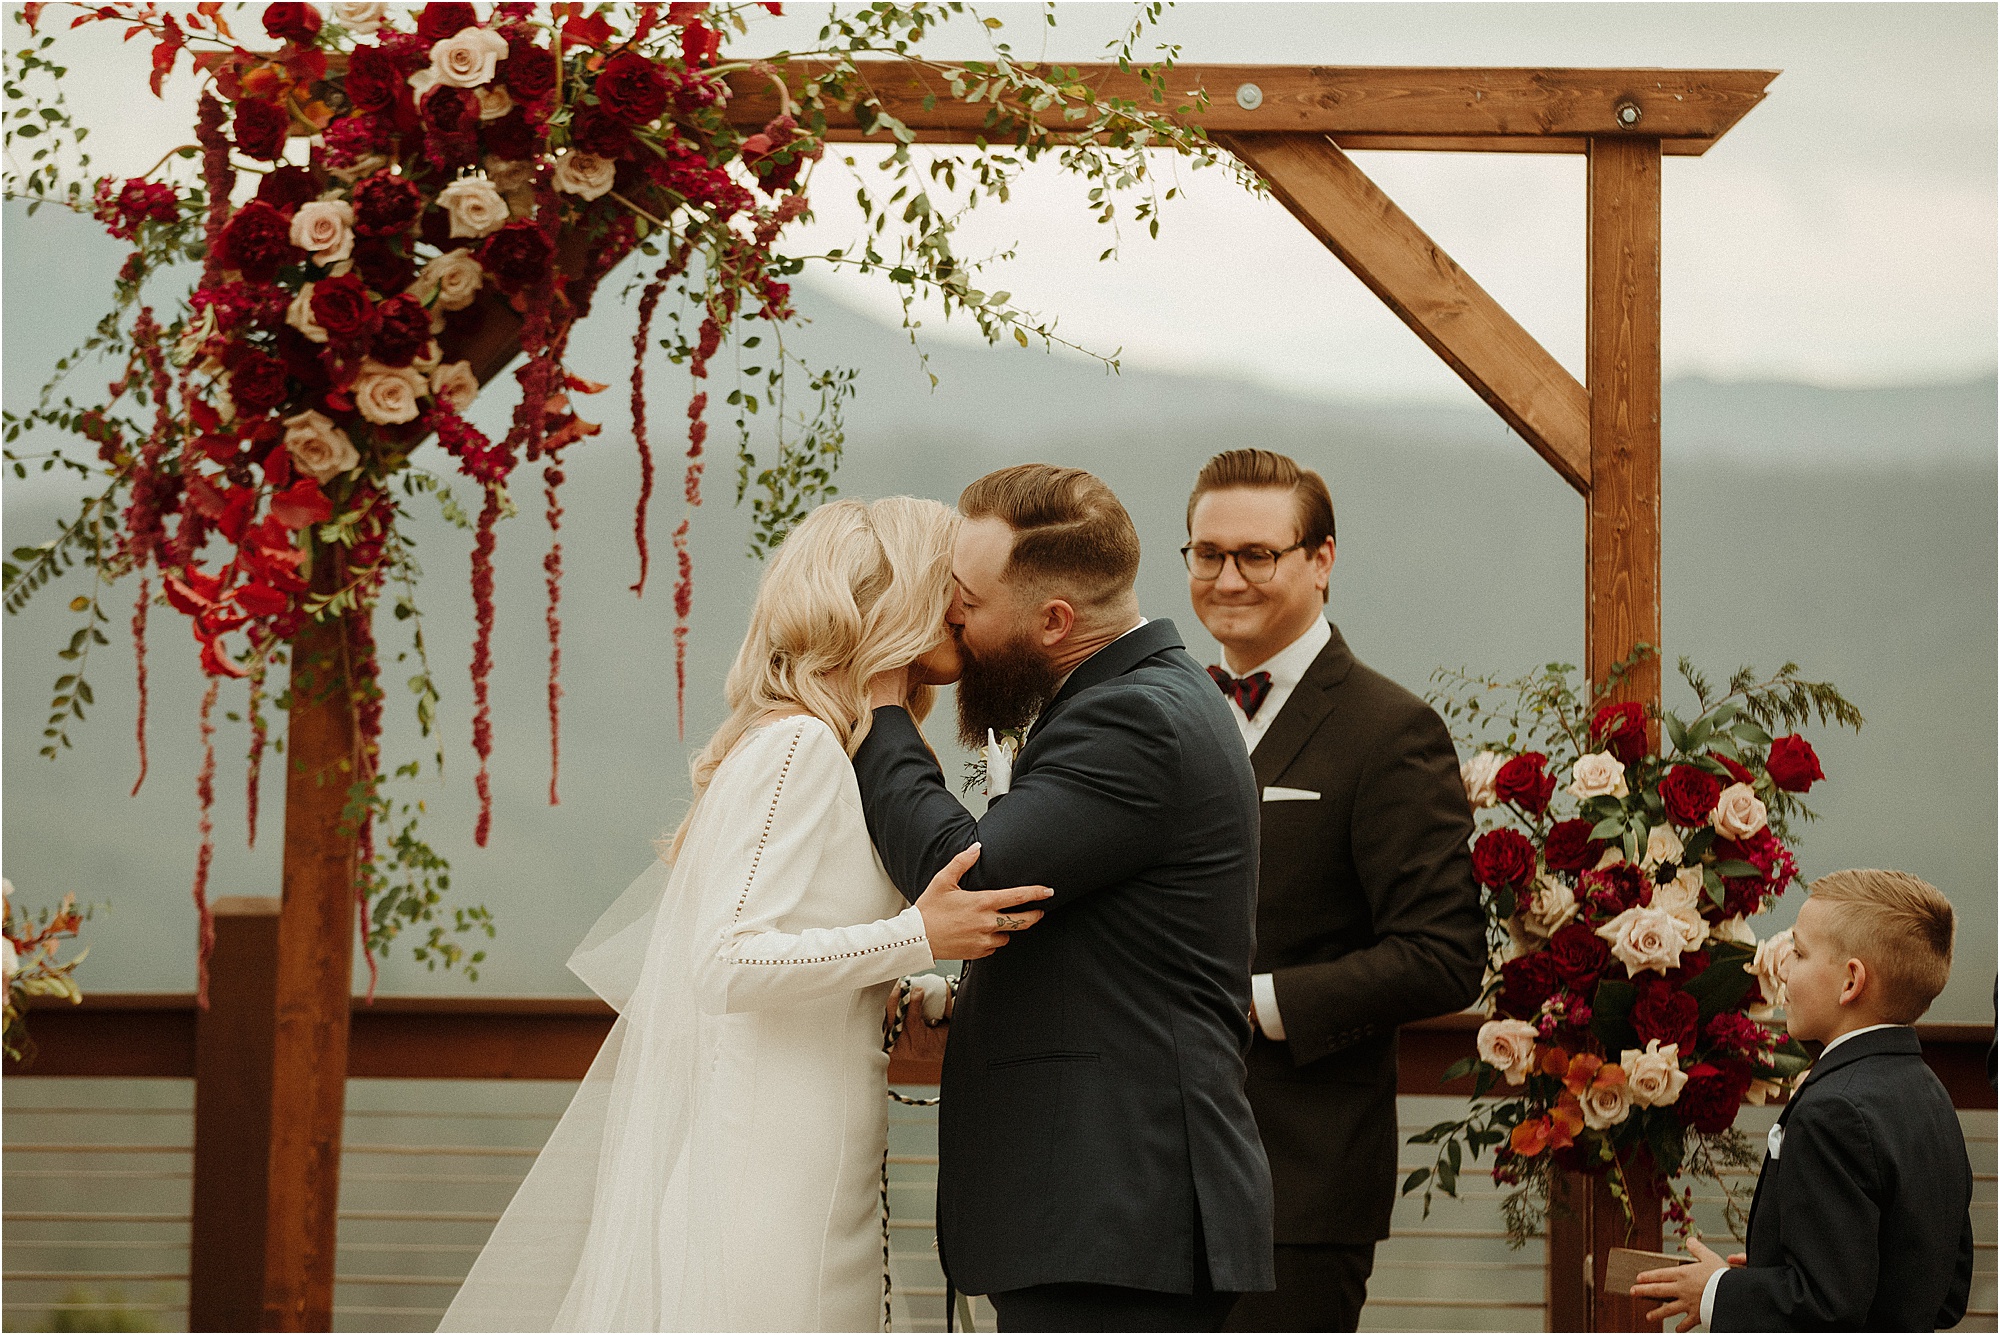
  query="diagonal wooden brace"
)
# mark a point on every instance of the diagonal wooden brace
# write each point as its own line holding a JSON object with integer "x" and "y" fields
{"x": 1414, "y": 277}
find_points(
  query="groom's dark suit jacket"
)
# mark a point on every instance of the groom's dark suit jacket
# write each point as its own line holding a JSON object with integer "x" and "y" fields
{"x": 1863, "y": 1220}
{"x": 1094, "y": 1124}
{"x": 1368, "y": 916}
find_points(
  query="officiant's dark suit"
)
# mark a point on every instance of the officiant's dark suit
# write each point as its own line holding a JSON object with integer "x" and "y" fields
{"x": 1094, "y": 1128}
{"x": 1368, "y": 917}
{"x": 1862, "y": 1219}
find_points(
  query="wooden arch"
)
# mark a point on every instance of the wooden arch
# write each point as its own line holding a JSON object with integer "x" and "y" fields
{"x": 1294, "y": 125}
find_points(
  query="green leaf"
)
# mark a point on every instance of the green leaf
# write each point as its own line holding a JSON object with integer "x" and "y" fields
{"x": 1415, "y": 1180}
{"x": 1722, "y": 984}
{"x": 1609, "y": 828}
{"x": 1747, "y": 732}
{"x": 1462, "y": 1067}
{"x": 1609, "y": 1007}
{"x": 1735, "y": 867}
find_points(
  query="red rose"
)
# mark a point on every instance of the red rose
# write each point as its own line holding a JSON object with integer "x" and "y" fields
{"x": 260, "y": 129}
{"x": 143, "y": 202}
{"x": 1736, "y": 772}
{"x": 1713, "y": 1093}
{"x": 258, "y": 241}
{"x": 699, "y": 45}
{"x": 292, "y": 22}
{"x": 593, "y": 131}
{"x": 285, "y": 188}
{"x": 1502, "y": 858}
{"x": 256, "y": 383}
{"x": 1524, "y": 782}
{"x": 342, "y": 308}
{"x": 382, "y": 266}
{"x": 529, "y": 70}
{"x": 1609, "y": 892}
{"x": 517, "y": 256}
{"x": 442, "y": 20}
{"x": 405, "y": 329}
{"x": 1526, "y": 982}
{"x": 385, "y": 204}
{"x": 1689, "y": 794}
{"x": 510, "y": 138}
{"x": 1580, "y": 955}
{"x": 374, "y": 78}
{"x": 1792, "y": 764}
{"x": 1667, "y": 1014}
{"x": 1569, "y": 846}
{"x": 451, "y": 126}
{"x": 1621, "y": 729}
{"x": 631, "y": 88}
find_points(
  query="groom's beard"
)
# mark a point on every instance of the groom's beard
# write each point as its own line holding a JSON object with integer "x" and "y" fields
{"x": 1005, "y": 688}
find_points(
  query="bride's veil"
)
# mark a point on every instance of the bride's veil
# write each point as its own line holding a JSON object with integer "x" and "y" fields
{"x": 594, "y": 1238}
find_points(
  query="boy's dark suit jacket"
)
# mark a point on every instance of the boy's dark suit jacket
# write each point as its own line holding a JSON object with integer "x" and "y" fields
{"x": 1368, "y": 916}
{"x": 1093, "y": 1101}
{"x": 1863, "y": 1221}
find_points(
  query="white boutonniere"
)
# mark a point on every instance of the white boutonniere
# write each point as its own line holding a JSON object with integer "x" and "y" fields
{"x": 1001, "y": 748}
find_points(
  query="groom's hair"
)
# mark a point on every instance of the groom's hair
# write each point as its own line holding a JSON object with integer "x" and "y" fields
{"x": 1070, "y": 532}
{"x": 1256, "y": 470}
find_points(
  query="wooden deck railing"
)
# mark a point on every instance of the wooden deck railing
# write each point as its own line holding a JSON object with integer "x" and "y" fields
{"x": 225, "y": 1050}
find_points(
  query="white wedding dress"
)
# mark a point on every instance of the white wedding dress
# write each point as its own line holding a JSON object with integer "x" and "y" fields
{"x": 719, "y": 1169}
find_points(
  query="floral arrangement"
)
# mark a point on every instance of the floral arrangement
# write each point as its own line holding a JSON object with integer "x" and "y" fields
{"x": 30, "y": 966}
{"x": 1629, "y": 991}
{"x": 438, "y": 187}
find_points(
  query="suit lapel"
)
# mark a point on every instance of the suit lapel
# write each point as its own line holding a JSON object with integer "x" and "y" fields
{"x": 1883, "y": 1042}
{"x": 1308, "y": 706}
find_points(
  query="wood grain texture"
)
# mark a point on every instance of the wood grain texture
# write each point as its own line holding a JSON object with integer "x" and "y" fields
{"x": 1566, "y": 1284}
{"x": 314, "y": 976}
{"x": 1403, "y": 102}
{"x": 1622, "y": 535}
{"x": 232, "y": 1119}
{"x": 1439, "y": 301}
{"x": 1611, "y": 1226}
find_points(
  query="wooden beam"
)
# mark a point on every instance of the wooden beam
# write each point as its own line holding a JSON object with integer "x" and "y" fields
{"x": 1416, "y": 103}
{"x": 316, "y": 932}
{"x": 1353, "y": 143}
{"x": 1622, "y": 530}
{"x": 232, "y": 1119}
{"x": 1445, "y": 308}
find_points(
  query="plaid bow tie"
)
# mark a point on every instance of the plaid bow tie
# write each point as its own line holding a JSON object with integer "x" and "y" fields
{"x": 1248, "y": 692}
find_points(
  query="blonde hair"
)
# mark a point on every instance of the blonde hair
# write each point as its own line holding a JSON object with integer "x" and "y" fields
{"x": 854, "y": 590}
{"x": 1897, "y": 925}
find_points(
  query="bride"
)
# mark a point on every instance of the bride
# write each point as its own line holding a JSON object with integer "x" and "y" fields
{"x": 719, "y": 1168}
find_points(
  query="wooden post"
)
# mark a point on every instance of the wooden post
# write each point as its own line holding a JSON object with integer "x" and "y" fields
{"x": 232, "y": 1119}
{"x": 1622, "y": 555}
{"x": 315, "y": 971}
{"x": 1568, "y": 1281}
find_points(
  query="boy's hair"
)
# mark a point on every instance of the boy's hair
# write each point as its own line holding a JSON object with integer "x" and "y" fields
{"x": 1070, "y": 532}
{"x": 1900, "y": 927}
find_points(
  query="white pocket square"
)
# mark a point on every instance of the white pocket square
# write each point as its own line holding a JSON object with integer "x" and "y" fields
{"x": 1290, "y": 795}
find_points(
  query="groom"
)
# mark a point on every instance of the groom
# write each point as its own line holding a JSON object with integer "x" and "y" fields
{"x": 1099, "y": 1166}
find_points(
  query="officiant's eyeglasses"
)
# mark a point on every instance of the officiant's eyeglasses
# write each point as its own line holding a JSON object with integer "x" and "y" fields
{"x": 1255, "y": 564}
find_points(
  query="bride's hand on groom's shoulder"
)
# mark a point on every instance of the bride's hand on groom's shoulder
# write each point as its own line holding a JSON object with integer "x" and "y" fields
{"x": 972, "y": 924}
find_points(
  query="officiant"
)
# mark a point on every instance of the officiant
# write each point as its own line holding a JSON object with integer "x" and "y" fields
{"x": 1368, "y": 915}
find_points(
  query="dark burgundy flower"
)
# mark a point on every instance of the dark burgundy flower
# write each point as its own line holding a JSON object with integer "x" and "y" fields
{"x": 1526, "y": 982}
{"x": 405, "y": 329}
{"x": 1737, "y": 773}
{"x": 1621, "y": 730}
{"x": 699, "y": 45}
{"x": 510, "y": 138}
{"x": 385, "y": 204}
{"x": 1713, "y": 1093}
{"x": 441, "y": 20}
{"x": 1689, "y": 794}
{"x": 256, "y": 382}
{"x": 285, "y": 188}
{"x": 382, "y": 265}
{"x": 1608, "y": 892}
{"x": 1570, "y": 848}
{"x": 451, "y": 126}
{"x": 260, "y": 129}
{"x": 1667, "y": 1014}
{"x": 1736, "y": 1035}
{"x": 374, "y": 78}
{"x": 631, "y": 88}
{"x": 1580, "y": 955}
{"x": 258, "y": 242}
{"x": 1793, "y": 765}
{"x": 292, "y": 22}
{"x": 1503, "y": 857}
{"x": 1526, "y": 782}
{"x": 530, "y": 70}
{"x": 594, "y": 131}
{"x": 342, "y": 308}
{"x": 517, "y": 256}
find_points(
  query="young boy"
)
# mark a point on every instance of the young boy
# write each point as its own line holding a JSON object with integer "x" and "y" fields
{"x": 1862, "y": 1218}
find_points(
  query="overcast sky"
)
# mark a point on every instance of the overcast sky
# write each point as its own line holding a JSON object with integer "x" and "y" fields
{"x": 1843, "y": 233}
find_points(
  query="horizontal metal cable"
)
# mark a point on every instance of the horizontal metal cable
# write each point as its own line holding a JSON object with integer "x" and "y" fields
{"x": 93, "y": 1276}
{"x": 141, "y": 1174}
{"x": 414, "y": 1248}
{"x": 94, "y": 1244}
{"x": 339, "y": 1310}
{"x": 1454, "y": 1233}
{"x": 1462, "y": 1304}
{"x": 422, "y": 1216}
{"x": 87, "y": 1217}
{"x": 468, "y": 1179}
{"x": 98, "y": 1112}
{"x": 431, "y": 1115}
{"x": 921, "y": 1160}
{"x": 98, "y": 1149}
{"x": 95, "y": 1307}
{"x": 1537, "y": 1266}
{"x": 430, "y": 1281}
{"x": 450, "y": 1151}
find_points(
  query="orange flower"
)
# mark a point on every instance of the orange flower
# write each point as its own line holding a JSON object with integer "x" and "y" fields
{"x": 1582, "y": 1068}
{"x": 1566, "y": 1119}
{"x": 1530, "y": 1137}
{"x": 1555, "y": 1062}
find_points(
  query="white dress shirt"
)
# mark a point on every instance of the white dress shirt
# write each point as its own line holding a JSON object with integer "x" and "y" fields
{"x": 1775, "y": 1141}
{"x": 1287, "y": 668}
